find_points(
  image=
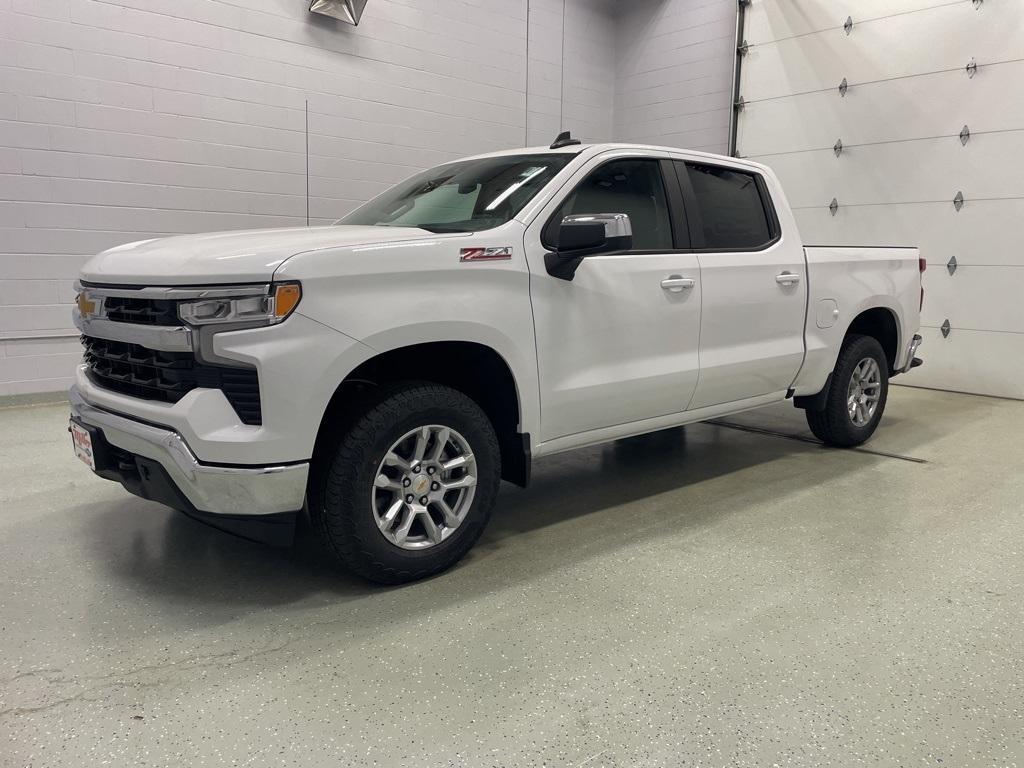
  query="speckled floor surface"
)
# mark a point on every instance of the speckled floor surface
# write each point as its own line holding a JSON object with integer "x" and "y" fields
{"x": 708, "y": 597}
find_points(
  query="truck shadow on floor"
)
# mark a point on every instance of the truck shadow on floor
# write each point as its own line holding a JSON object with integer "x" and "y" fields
{"x": 663, "y": 478}
{"x": 579, "y": 504}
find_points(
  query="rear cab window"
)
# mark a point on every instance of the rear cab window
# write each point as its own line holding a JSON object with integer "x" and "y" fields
{"x": 728, "y": 208}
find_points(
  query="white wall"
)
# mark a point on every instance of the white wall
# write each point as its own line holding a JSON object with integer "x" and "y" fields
{"x": 139, "y": 118}
{"x": 580, "y": 96}
{"x": 674, "y": 72}
{"x": 902, "y": 162}
{"x": 127, "y": 119}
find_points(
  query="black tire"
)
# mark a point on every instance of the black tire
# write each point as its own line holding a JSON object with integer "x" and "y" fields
{"x": 342, "y": 483}
{"x": 833, "y": 425}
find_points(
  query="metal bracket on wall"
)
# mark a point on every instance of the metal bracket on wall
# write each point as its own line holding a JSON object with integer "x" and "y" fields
{"x": 848, "y": 25}
{"x": 972, "y": 68}
{"x": 958, "y": 201}
{"x": 743, "y": 49}
{"x": 945, "y": 328}
{"x": 838, "y": 147}
{"x": 842, "y": 87}
{"x": 965, "y": 135}
{"x": 740, "y": 104}
{"x": 951, "y": 264}
{"x": 833, "y": 206}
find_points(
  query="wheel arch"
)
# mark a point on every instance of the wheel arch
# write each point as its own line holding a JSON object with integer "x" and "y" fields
{"x": 882, "y": 324}
{"x": 878, "y": 321}
{"x": 476, "y": 369}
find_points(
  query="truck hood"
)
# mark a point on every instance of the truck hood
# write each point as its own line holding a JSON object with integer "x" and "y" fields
{"x": 247, "y": 256}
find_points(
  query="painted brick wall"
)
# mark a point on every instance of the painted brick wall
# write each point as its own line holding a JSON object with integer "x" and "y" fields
{"x": 674, "y": 72}
{"x": 122, "y": 120}
{"x": 582, "y": 100}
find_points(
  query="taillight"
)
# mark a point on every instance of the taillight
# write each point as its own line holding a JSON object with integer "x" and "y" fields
{"x": 922, "y": 265}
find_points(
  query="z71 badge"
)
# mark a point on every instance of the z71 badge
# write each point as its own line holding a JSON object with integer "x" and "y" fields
{"x": 486, "y": 254}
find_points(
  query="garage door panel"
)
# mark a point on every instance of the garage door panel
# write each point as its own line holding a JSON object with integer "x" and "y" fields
{"x": 983, "y": 362}
{"x": 929, "y": 105}
{"x": 882, "y": 49}
{"x": 768, "y": 20}
{"x": 977, "y": 235}
{"x": 986, "y": 298}
{"x": 990, "y": 166}
{"x": 902, "y": 162}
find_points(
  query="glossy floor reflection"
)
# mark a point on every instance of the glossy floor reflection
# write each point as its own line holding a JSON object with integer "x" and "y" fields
{"x": 703, "y": 596}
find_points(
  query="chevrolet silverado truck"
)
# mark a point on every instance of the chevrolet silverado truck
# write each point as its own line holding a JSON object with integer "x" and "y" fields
{"x": 388, "y": 371}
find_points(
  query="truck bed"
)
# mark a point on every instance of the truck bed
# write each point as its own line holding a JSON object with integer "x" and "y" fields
{"x": 843, "y": 282}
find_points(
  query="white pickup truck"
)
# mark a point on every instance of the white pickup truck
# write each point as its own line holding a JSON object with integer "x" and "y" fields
{"x": 388, "y": 371}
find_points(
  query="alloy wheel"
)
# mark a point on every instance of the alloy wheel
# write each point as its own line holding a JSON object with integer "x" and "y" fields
{"x": 424, "y": 487}
{"x": 864, "y": 391}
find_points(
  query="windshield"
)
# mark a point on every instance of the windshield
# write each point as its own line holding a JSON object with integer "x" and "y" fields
{"x": 465, "y": 196}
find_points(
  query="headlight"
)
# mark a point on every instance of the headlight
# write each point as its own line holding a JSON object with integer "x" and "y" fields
{"x": 264, "y": 308}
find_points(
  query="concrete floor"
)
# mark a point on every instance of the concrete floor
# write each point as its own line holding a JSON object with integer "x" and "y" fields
{"x": 703, "y": 597}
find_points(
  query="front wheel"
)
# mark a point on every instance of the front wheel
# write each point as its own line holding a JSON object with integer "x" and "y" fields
{"x": 856, "y": 395}
{"x": 410, "y": 486}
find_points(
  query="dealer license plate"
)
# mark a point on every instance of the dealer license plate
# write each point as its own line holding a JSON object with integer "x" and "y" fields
{"x": 82, "y": 441}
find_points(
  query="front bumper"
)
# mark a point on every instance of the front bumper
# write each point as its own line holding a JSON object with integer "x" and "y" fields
{"x": 156, "y": 463}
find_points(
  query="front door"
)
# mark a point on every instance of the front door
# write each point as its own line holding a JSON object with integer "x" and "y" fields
{"x": 615, "y": 345}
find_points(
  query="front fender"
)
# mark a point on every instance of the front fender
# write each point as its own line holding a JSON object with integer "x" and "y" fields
{"x": 521, "y": 362}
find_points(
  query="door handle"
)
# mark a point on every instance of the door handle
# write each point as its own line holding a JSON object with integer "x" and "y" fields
{"x": 787, "y": 278}
{"x": 676, "y": 284}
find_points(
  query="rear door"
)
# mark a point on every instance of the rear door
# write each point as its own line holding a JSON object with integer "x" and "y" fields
{"x": 617, "y": 343}
{"x": 753, "y": 285}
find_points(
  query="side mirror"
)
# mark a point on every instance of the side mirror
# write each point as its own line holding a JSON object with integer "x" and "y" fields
{"x": 587, "y": 234}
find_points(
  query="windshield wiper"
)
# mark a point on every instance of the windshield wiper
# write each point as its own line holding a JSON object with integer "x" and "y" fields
{"x": 439, "y": 228}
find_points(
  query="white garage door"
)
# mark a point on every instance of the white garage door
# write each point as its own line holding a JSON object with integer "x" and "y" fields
{"x": 902, "y": 162}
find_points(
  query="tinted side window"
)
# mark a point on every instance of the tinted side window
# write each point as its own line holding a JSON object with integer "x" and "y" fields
{"x": 731, "y": 210}
{"x": 633, "y": 187}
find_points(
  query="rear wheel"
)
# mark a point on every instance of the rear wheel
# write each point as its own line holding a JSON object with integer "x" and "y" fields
{"x": 409, "y": 487}
{"x": 856, "y": 395}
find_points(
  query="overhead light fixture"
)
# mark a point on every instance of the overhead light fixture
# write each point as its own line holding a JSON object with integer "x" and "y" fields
{"x": 347, "y": 10}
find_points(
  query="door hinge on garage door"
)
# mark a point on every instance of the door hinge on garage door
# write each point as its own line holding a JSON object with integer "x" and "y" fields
{"x": 737, "y": 101}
